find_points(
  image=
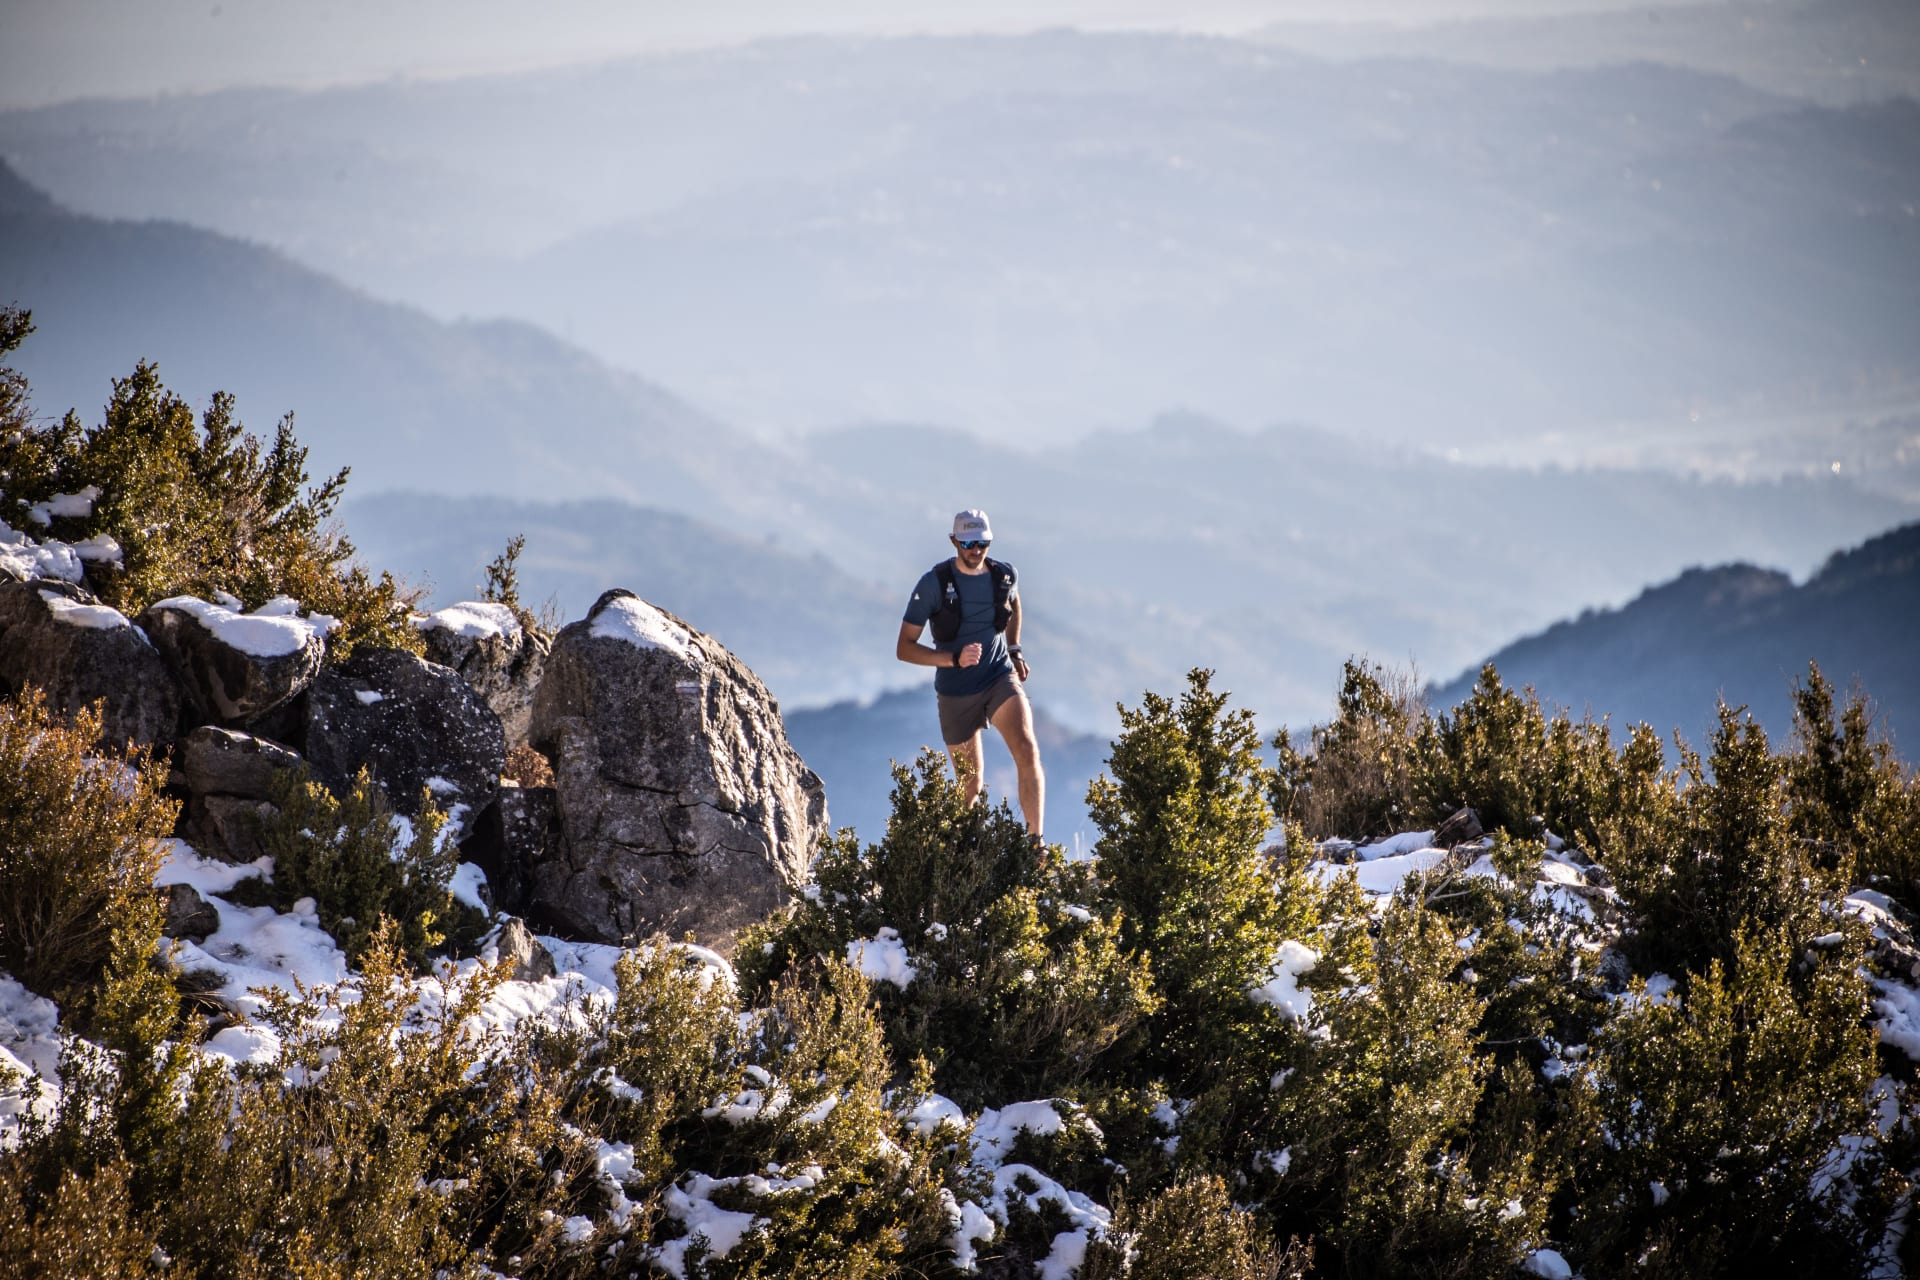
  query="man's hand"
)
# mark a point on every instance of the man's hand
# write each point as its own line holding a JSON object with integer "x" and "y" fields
{"x": 1020, "y": 668}
{"x": 970, "y": 656}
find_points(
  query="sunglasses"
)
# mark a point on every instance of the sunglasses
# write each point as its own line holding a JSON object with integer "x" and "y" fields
{"x": 974, "y": 544}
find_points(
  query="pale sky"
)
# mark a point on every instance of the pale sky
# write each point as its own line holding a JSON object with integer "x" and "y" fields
{"x": 54, "y": 50}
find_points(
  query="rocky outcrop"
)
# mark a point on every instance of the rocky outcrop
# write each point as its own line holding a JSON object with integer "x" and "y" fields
{"x": 189, "y": 915}
{"x": 1462, "y": 827}
{"x": 212, "y": 760}
{"x": 511, "y": 840}
{"x": 235, "y": 667}
{"x": 57, "y": 637}
{"x": 495, "y": 653}
{"x": 682, "y": 805}
{"x": 415, "y": 725}
{"x": 229, "y": 779}
{"x": 526, "y": 957}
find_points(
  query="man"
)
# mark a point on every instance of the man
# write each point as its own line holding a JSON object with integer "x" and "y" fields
{"x": 973, "y": 604}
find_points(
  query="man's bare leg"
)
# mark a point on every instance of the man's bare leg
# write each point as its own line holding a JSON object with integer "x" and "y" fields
{"x": 1014, "y": 720}
{"x": 968, "y": 766}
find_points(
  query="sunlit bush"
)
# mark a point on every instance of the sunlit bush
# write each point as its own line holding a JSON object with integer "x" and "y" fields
{"x": 1019, "y": 982}
{"x": 196, "y": 507}
{"x": 79, "y": 845}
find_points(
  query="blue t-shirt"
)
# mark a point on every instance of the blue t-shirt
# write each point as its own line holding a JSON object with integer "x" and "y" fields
{"x": 976, "y": 626}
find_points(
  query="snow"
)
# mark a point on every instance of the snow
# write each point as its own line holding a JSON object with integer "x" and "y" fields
{"x": 368, "y": 697}
{"x": 971, "y": 1225}
{"x": 1394, "y": 846}
{"x": 1548, "y": 1265}
{"x": 29, "y": 560}
{"x": 693, "y": 1208}
{"x": 1898, "y": 1007}
{"x": 94, "y": 617}
{"x": 259, "y": 634}
{"x": 207, "y": 875}
{"x": 99, "y": 549}
{"x": 995, "y": 1132}
{"x": 1069, "y": 1251}
{"x": 257, "y": 948}
{"x": 1087, "y": 1218}
{"x": 633, "y": 620}
{"x": 1383, "y": 876}
{"x": 472, "y": 619}
{"x": 29, "y": 1043}
{"x": 767, "y": 1098}
{"x": 1282, "y": 990}
{"x": 932, "y": 1113}
{"x": 882, "y": 958}
{"x": 72, "y": 506}
{"x": 466, "y": 885}
{"x": 1275, "y": 1161}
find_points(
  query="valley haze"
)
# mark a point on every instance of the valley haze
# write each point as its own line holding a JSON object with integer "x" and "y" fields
{"x": 1268, "y": 339}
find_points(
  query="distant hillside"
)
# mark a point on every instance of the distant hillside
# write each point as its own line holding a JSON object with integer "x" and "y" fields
{"x": 407, "y": 401}
{"x": 1831, "y": 51}
{"x": 813, "y": 633}
{"x": 1744, "y": 632}
{"x": 850, "y": 745}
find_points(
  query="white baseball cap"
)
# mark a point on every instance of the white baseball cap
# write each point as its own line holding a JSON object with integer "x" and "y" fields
{"x": 971, "y": 526}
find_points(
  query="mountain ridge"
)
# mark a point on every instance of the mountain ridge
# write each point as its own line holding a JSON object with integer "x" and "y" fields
{"x": 1746, "y": 631}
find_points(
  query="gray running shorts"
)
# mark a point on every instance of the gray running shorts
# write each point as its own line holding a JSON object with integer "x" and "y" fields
{"x": 963, "y": 716}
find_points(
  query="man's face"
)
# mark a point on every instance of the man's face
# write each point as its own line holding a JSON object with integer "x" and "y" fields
{"x": 972, "y": 552}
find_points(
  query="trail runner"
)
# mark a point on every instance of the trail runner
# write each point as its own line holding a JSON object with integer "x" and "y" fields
{"x": 973, "y": 606}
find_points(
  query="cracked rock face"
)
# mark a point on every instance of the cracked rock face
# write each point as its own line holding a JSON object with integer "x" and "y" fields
{"x": 682, "y": 805}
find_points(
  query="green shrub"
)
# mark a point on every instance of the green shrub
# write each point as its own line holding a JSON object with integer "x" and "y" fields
{"x": 79, "y": 846}
{"x": 360, "y": 863}
{"x": 87, "y": 1227}
{"x": 1192, "y": 1231}
{"x": 1383, "y": 1114}
{"x": 1850, "y": 799}
{"x": 391, "y": 1136}
{"x": 197, "y": 508}
{"x": 1721, "y": 1109}
{"x": 1521, "y": 769}
{"x": 1182, "y": 821}
{"x": 1725, "y": 860}
{"x": 1357, "y": 777}
{"x": 1021, "y": 984}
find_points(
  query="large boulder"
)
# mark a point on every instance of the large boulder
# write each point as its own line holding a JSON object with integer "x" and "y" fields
{"x": 495, "y": 653}
{"x": 235, "y": 667}
{"x": 682, "y": 805}
{"x": 229, "y": 778}
{"x": 57, "y": 637}
{"x": 212, "y": 760}
{"x": 415, "y": 725}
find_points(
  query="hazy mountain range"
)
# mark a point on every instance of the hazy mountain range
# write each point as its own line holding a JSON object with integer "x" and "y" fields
{"x": 1837, "y": 52}
{"x": 1741, "y": 632}
{"x": 1269, "y": 556}
{"x": 1029, "y": 237}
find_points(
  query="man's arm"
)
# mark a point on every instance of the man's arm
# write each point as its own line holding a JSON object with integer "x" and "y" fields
{"x": 1013, "y": 639}
{"x": 909, "y": 649}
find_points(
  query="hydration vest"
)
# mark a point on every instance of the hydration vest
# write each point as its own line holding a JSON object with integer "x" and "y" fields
{"x": 945, "y": 619}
